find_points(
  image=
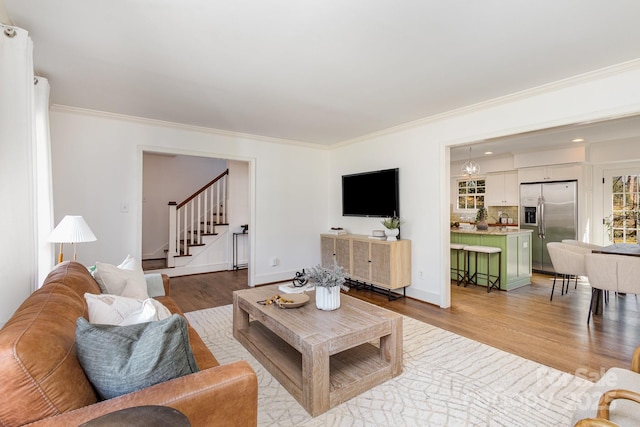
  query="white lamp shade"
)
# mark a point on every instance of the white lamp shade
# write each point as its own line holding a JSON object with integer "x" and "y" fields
{"x": 72, "y": 229}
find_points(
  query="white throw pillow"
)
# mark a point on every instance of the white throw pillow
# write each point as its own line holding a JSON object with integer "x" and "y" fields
{"x": 116, "y": 310}
{"x": 126, "y": 279}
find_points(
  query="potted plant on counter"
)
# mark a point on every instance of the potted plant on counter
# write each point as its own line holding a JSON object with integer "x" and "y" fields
{"x": 328, "y": 283}
{"x": 481, "y": 219}
{"x": 391, "y": 227}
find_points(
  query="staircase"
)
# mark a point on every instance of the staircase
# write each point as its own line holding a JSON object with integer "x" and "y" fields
{"x": 198, "y": 229}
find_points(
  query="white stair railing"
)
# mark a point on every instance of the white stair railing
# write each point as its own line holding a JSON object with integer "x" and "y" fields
{"x": 196, "y": 216}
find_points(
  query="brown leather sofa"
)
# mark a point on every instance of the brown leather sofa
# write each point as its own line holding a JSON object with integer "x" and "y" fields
{"x": 42, "y": 382}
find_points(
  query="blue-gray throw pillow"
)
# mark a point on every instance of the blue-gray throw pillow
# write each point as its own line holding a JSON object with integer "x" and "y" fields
{"x": 123, "y": 359}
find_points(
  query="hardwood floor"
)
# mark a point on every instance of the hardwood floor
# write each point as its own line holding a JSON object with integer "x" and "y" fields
{"x": 523, "y": 321}
{"x": 200, "y": 291}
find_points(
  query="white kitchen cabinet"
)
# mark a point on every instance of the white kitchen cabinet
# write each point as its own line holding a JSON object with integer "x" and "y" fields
{"x": 501, "y": 189}
{"x": 550, "y": 173}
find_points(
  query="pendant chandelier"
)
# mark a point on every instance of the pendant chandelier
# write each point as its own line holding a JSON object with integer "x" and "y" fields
{"x": 470, "y": 168}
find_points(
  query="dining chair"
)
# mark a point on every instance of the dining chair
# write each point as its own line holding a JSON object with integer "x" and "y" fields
{"x": 617, "y": 273}
{"x": 568, "y": 262}
{"x": 591, "y": 246}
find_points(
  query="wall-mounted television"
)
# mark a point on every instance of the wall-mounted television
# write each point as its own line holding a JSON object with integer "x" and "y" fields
{"x": 371, "y": 194}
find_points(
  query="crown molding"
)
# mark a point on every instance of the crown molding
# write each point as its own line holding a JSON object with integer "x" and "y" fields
{"x": 181, "y": 126}
{"x": 502, "y": 100}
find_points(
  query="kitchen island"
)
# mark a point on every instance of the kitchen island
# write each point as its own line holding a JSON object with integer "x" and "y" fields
{"x": 515, "y": 256}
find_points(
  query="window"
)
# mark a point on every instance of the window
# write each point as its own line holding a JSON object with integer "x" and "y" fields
{"x": 623, "y": 223}
{"x": 471, "y": 194}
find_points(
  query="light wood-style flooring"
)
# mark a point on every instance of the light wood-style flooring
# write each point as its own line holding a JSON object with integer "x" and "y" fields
{"x": 523, "y": 321}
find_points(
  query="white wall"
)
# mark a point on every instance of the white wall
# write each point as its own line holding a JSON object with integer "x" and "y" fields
{"x": 239, "y": 212}
{"x": 296, "y": 190}
{"x": 421, "y": 152}
{"x": 169, "y": 178}
{"x": 419, "y": 164}
{"x": 97, "y": 165}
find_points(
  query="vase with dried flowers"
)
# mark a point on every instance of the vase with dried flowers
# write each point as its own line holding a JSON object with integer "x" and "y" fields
{"x": 328, "y": 283}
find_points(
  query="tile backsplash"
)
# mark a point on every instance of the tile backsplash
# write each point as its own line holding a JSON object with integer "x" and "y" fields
{"x": 492, "y": 211}
{"x": 511, "y": 211}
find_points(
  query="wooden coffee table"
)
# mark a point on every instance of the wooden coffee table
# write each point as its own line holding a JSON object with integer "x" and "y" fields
{"x": 323, "y": 358}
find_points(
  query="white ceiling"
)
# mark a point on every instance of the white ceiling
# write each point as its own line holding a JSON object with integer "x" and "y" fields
{"x": 323, "y": 71}
{"x": 560, "y": 137}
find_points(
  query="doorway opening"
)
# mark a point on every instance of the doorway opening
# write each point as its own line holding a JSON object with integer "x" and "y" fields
{"x": 176, "y": 176}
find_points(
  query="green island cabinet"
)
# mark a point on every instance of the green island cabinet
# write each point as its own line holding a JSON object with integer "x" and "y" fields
{"x": 515, "y": 255}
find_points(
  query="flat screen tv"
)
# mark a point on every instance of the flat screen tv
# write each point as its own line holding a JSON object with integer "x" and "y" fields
{"x": 371, "y": 194}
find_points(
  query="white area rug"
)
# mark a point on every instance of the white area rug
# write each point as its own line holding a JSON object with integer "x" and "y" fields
{"x": 448, "y": 380}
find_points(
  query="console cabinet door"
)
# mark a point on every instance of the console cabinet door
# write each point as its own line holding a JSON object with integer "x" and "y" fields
{"x": 343, "y": 253}
{"x": 381, "y": 264}
{"x": 385, "y": 264}
{"x": 361, "y": 261}
{"x": 327, "y": 251}
{"x": 335, "y": 248}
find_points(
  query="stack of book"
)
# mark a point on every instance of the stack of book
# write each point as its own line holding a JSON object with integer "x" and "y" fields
{"x": 337, "y": 231}
{"x": 378, "y": 235}
{"x": 288, "y": 288}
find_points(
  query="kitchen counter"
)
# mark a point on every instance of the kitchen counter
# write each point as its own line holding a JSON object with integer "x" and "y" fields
{"x": 498, "y": 231}
{"x": 515, "y": 244}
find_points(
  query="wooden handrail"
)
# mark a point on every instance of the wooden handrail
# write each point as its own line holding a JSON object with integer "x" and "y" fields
{"x": 194, "y": 195}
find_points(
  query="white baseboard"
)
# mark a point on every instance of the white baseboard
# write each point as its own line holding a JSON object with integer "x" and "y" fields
{"x": 275, "y": 277}
{"x": 185, "y": 271}
{"x": 421, "y": 295}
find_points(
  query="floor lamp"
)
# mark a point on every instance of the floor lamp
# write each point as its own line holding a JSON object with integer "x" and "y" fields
{"x": 72, "y": 229}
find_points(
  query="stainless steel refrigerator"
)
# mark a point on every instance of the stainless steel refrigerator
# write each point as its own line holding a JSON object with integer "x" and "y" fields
{"x": 550, "y": 209}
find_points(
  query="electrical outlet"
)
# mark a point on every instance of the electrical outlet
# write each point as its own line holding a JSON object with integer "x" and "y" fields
{"x": 124, "y": 207}
{"x": 274, "y": 262}
{"x": 420, "y": 275}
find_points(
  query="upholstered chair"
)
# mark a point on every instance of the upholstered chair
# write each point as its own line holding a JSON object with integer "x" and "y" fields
{"x": 614, "y": 400}
{"x": 590, "y": 246}
{"x": 617, "y": 273}
{"x": 568, "y": 262}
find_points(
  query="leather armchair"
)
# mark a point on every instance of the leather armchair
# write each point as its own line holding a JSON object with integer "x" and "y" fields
{"x": 614, "y": 399}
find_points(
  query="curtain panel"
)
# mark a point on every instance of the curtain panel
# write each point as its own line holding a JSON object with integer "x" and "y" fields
{"x": 43, "y": 179}
{"x": 20, "y": 227}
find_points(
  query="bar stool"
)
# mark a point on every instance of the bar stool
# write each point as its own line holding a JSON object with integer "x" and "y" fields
{"x": 460, "y": 273}
{"x": 489, "y": 250}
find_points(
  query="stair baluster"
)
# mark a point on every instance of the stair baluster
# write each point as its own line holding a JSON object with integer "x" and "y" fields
{"x": 196, "y": 216}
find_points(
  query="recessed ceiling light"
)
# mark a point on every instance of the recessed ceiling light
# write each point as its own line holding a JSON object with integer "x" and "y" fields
{"x": 488, "y": 152}
{"x": 578, "y": 140}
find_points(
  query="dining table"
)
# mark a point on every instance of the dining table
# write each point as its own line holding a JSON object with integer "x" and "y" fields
{"x": 629, "y": 249}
